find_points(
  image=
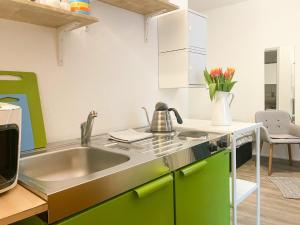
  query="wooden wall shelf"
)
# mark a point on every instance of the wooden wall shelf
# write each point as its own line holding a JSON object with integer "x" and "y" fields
{"x": 35, "y": 13}
{"x": 30, "y": 12}
{"x": 148, "y": 8}
{"x": 64, "y": 21}
{"x": 144, "y": 7}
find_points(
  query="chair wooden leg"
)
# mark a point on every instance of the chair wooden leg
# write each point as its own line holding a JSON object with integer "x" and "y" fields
{"x": 270, "y": 159}
{"x": 290, "y": 154}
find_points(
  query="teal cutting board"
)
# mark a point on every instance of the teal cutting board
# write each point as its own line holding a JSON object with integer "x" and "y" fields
{"x": 26, "y": 83}
{"x": 27, "y": 142}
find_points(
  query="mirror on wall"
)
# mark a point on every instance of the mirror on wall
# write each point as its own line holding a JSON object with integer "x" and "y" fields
{"x": 271, "y": 79}
{"x": 280, "y": 79}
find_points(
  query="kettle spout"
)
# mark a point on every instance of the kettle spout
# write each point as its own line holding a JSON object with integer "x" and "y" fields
{"x": 147, "y": 116}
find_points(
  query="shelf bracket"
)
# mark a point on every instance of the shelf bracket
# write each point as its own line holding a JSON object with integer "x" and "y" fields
{"x": 60, "y": 38}
{"x": 146, "y": 27}
{"x": 147, "y": 19}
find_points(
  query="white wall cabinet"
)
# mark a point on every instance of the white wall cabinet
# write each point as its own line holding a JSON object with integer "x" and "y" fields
{"x": 182, "y": 49}
{"x": 182, "y": 29}
{"x": 182, "y": 68}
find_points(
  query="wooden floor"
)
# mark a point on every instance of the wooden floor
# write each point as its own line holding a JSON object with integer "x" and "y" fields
{"x": 275, "y": 210}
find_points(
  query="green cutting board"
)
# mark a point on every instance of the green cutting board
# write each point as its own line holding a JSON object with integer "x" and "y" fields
{"x": 12, "y": 82}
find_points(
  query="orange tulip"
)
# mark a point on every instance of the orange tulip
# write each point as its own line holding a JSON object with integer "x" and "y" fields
{"x": 216, "y": 72}
{"x": 229, "y": 72}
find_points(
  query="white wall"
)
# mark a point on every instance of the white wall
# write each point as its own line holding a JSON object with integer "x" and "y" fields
{"x": 204, "y": 5}
{"x": 110, "y": 69}
{"x": 181, "y": 3}
{"x": 234, "y": 40}
{"x": 237, "y": 36}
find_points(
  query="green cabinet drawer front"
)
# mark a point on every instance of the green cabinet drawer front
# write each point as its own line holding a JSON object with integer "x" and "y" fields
{"x": 150, "y": 204}
{"x": 202, "y": 192}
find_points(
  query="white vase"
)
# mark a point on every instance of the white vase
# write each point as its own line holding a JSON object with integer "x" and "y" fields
{"x": 221, "y": 115}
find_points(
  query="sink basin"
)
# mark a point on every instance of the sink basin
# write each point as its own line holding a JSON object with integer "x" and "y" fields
{"x": 70, "y": 163}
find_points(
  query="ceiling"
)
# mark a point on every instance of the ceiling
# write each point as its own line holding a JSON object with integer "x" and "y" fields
{"x": 203, "y": 5}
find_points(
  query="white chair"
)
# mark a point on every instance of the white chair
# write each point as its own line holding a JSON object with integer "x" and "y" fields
{"x": 277, "y": 129}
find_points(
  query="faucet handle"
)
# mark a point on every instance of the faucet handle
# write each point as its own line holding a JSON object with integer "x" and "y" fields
{"x": 86, "y": 128}
{"x": 93, "y": 113}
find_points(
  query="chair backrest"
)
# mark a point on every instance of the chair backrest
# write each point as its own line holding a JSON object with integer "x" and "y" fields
{"x": 276, "y": 122}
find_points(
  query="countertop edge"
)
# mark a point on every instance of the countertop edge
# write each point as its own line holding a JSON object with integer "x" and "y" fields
{"x": 38, "y": 205}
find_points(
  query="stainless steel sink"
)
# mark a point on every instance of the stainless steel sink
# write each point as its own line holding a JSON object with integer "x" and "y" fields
{"x": 73, "y": 178}
{"x": 70, "y": 163}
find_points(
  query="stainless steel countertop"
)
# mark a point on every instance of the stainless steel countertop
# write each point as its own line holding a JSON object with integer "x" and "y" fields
{"x": 149, "y": 159}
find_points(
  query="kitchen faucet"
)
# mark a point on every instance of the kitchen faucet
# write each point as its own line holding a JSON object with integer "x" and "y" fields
{"x": 86, "y": 129}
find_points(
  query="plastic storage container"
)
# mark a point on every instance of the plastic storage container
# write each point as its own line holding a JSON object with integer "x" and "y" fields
{"x": 80, "y": 6}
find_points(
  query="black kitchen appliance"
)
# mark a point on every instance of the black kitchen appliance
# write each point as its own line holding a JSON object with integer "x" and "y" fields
{"x": 10, "y": 128}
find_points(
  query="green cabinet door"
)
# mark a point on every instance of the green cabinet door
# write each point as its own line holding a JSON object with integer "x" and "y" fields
{"x": 150, "y": 204}
{"x": 202, "y": 192}
{"x": 31, "y": 221}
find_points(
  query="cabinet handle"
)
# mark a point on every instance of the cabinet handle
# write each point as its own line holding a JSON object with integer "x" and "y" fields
{"x": 153, "y": 186}
{"x": 193, "y": 168}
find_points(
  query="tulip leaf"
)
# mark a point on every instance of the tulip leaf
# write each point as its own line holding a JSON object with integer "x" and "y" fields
{"x": 225, "y": 86}
{"x": 230, "y": 86}
{"x": 212, "y": 90}
{"x": 207, "y": 77}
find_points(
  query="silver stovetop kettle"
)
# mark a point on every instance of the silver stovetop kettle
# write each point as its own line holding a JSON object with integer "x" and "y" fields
{"x": 161, "y": 120}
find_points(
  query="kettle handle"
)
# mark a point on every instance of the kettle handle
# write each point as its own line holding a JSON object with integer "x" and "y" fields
{"x": 178, "y": 117}
{"x": 147, "y": 116}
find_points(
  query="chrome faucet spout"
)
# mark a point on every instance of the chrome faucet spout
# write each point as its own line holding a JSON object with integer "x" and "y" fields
{"x": 86, "y": 129}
